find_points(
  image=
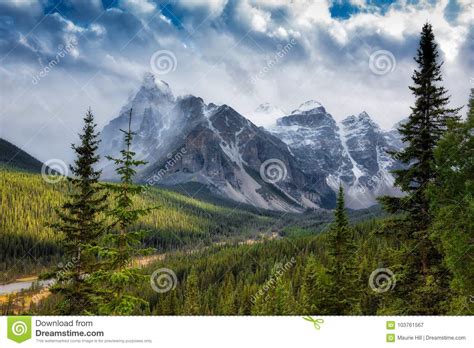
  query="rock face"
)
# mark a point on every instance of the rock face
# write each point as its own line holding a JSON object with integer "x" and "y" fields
{"x": 295, "y": 165}
{"x": 351, "y": 153}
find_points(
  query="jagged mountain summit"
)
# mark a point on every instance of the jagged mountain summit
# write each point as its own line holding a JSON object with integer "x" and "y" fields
{"x": 217, "y": 147}
{"x": 308, "y": 107}
{"x": 352, "y": 152}
{"x": 295, "y": 165}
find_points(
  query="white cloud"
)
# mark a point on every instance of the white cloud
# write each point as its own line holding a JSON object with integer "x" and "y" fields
{"x": 253, "y": 18}
{"x": 358, "y": 3}
{"x": 215, "y": 7}
{"x": 139, "y": 7}
{"x": 329, "y": 61}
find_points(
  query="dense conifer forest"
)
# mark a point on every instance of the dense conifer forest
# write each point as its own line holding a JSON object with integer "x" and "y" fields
{"x": 28, "y": 204}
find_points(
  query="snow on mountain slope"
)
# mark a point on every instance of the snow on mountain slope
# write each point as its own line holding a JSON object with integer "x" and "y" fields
{"x": 268, "y": 109}
{"x": 351, "y": 153}
{"x": 218, "y": 148}
{"x": 265, "y": 114}
{"x": 308, "y": 152}
{"x": 312, "y": 138}
{"x": 307, "y": 107}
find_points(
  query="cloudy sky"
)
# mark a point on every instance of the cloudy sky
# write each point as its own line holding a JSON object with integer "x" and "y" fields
{"x": 57, "y": 58}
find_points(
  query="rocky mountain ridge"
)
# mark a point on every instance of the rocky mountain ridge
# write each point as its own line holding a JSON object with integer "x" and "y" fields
{"x": 295, "y": 165}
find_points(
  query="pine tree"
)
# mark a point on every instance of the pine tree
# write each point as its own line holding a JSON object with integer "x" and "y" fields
{"x": 191, "y": 295}
{"x": 315, "y": 293}
{"x": 452, "y": 204}
{"x": 120, "y": 244}
{"x": 226, "y": 302}
{"x": 81, "y": 223}
{"x": 425, "y": 126}
{"x": 344, "y": 291}
{"x": 285, "y": 303}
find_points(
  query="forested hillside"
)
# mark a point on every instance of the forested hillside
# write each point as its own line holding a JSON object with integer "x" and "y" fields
{"x": 290, "y": 276}
{"x": 12, "y": 156}
{"x": 28, "y": 205}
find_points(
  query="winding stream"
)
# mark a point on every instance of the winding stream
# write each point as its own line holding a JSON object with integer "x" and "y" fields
{"x": 9, "y": 288}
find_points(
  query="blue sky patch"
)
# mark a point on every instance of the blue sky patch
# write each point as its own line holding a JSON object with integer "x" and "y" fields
{"x": 344, "y": 9}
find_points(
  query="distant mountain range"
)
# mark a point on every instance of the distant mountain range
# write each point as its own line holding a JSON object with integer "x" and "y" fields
{"x": 352, "y": 152}
{"x": 295, "y": 165}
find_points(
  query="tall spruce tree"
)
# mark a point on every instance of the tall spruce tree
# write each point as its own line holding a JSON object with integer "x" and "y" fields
{"x": 452, "y": 204}
{"x": 120, "y": 244}
{"x": 81, "y": 223}
{"x": 425, "y": 126}
{"x": 343, "y": 272}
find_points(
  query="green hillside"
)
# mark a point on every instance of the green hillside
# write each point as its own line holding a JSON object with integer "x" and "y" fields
{"x": 27, "y": 209}
{"x": 28, "y": 204}
{"x": 279, "y": 277}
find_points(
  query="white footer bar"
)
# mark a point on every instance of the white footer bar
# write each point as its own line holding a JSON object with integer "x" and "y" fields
{"x": 229, "y": 332}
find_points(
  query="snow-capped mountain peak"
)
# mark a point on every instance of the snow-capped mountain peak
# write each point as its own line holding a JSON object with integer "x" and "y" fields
{"x": 223, "y": 151}
{"x": 159, "y": 87}
{"x": 351, "y": 152}
{"x": 227, "y": 153}
{"x": 362, "y": 120}
{"x": 307, "y": 107}
{"x": 266, "y": 113}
